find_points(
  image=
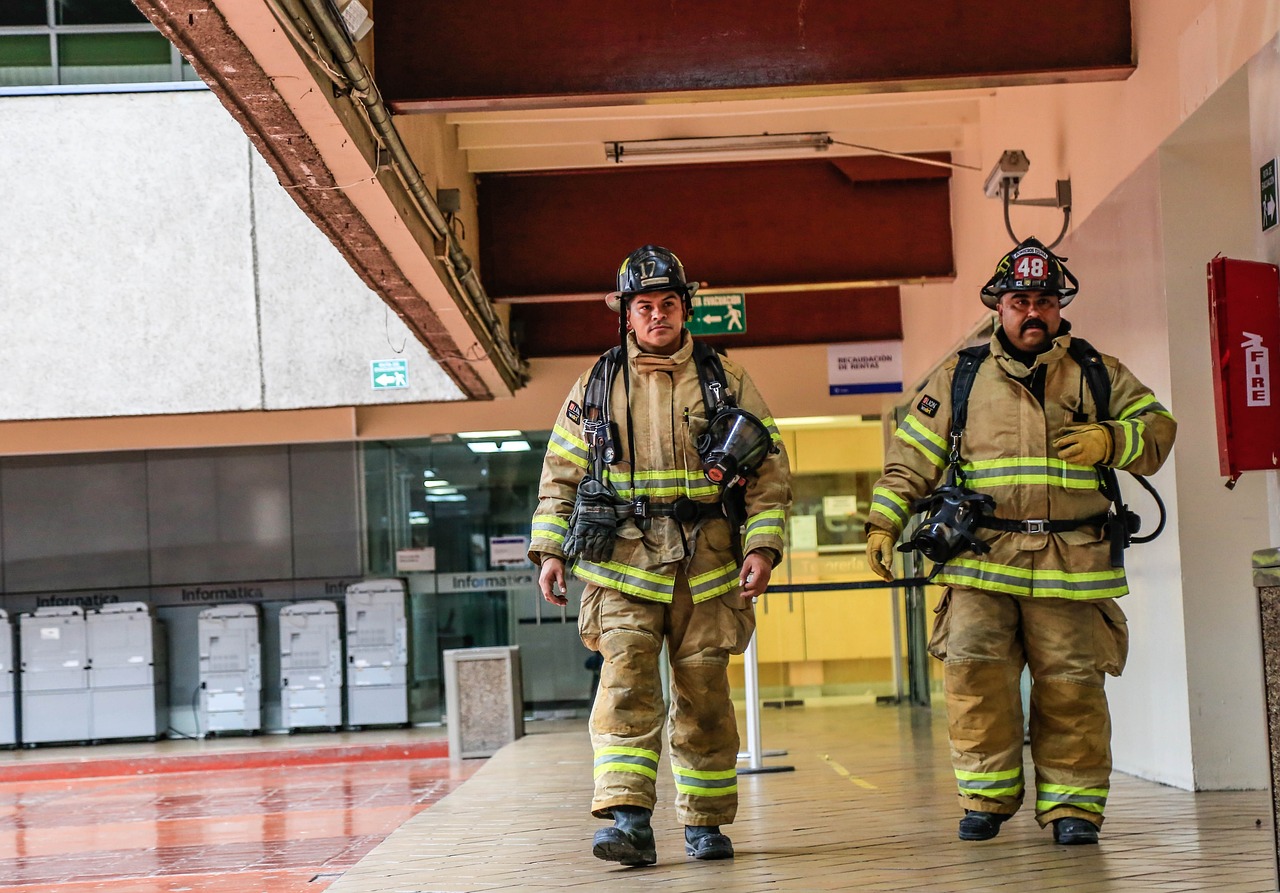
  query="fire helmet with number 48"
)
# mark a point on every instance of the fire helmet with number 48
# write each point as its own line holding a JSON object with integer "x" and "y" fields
{"x": 1031, "y": 267}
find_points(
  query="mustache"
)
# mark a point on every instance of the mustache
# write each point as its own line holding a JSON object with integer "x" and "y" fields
{"x": 1034, "y": 324}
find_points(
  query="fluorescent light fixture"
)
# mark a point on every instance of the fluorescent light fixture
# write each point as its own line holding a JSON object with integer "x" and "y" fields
{"x": 487, "y": 435}
{"x": 416, "y": 518}
{"x": 446, "y": 497}
{"x": 433, "y": 484}
{"x": 822, "y": 421}
{"x": 711, "y": 148}
{"x": 506, "y": 446}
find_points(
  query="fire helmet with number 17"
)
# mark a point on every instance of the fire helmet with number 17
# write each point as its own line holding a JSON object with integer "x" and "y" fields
{"x": 650, "y": 269}
{"x": 1031, "y": 267}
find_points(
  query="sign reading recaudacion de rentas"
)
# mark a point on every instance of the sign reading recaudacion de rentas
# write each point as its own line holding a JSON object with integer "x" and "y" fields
{"x": 718, "y": 314}
{"x": 867, "y": 367}
{"x": 388, "y": 374}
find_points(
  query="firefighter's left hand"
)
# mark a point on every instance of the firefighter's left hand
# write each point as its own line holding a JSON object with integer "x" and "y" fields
{"x": 1084, "y": 444}
{"x": 755, "y": 573}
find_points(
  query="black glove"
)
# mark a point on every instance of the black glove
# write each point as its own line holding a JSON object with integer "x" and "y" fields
{"x": 593, "y": 524}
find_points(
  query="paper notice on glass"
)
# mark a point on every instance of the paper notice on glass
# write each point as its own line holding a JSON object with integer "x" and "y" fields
{"x": 804, "y": 533}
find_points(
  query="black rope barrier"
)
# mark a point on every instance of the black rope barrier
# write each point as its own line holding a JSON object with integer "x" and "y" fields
{"x": 852, "y": 584}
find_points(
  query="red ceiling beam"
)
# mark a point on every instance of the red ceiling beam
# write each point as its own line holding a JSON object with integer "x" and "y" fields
{"x": 760, "y": 225}
{"x": 487, "y": 53}
{"x": 570, "y": 328}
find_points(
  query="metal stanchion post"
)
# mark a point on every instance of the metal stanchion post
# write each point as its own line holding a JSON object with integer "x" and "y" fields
{"x": 751, "y": 678}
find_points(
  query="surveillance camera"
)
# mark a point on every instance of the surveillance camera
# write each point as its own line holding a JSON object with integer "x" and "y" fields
{"x": 1012, "y": 166}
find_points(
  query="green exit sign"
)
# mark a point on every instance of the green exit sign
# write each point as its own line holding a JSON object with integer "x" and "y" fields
{"x": 719, "y": 314}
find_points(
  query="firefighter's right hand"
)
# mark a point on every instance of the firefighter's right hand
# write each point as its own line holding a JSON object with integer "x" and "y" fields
{"x": 551, "y": 581}
{"x": 880, "y": 554}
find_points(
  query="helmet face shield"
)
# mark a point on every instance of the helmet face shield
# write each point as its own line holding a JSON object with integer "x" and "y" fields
{"x": 735, "y": 443}
{"x": 1030, "y": 267}
{"x": 649, "y": 269}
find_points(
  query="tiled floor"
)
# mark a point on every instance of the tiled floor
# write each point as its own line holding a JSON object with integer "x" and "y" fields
{"x": 276, "y": 814}
{"x": 868, "y": 807}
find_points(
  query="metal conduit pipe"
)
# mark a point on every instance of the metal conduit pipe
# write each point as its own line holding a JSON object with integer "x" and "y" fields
{"x": 475, "y": 302}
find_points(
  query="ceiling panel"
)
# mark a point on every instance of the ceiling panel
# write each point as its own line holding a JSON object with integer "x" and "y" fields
{"x": 487, "y": 53}
{"x": 764, "y": 224}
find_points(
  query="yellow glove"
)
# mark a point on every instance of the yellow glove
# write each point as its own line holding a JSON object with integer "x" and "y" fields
{"x": 1085, "y": 444}
{"x": 880, "y": 553}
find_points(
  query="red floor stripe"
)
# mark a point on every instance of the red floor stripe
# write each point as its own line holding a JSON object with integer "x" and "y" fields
{"x": 260, "y": 759}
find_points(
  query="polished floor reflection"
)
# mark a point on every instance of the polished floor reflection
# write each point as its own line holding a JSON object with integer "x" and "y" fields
{"x": 274, "y": 813}
{"x": 870, "y": 806}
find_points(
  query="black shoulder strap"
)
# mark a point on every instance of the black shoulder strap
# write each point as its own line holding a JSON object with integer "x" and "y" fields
{"x": 1095, "y": 373}
{"x": 962, "y": 383}
{"x": 715, "y": 384}
{"x": 596, "y": 416}
{"x": 600, "y": 382}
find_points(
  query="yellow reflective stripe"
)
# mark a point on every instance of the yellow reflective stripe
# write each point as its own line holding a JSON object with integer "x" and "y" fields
{"x": 717, "y": 582}
{"x": 765, "y": 523}
{"x": 699, "y": 791}
{"x": 624, "y": 766}
{"x": 1030, "y": 470}
{"x": 570, "y": 439}
{"x": 670, "y": 482}
{"x": 562, "y": 444}
{"x": 933, "y": 447}
{"x": 618, "y": 758}
{"x": 1134, "y": 444}
{"x": 1006, "y": 783}
{"x": 1047, "y": 583}
{"x": 705, "y": 783}
{"x": 624, "y": 578}
{"x": 1051, "y": 796}
{"x": 549, "y": 527}
{"x": 707, "y": 774}
{"x": 890, "y": 504}
{"x": 774, "y": 434}
{"x": 1147, "y": 403}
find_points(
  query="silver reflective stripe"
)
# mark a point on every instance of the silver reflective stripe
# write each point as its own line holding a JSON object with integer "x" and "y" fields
{"x": 1043, "y": 583}
{"x": 717, "y": 582}
{"x": 626, "y": 579}
{"x": 1032, "y": 470}
{"x": 564, "y": 443}
{"x": 891, "y": 505}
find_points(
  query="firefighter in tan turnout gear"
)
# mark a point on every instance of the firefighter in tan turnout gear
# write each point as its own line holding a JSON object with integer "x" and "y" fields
{"x": 665, "y": 487}
{"x": 1038, "y": 558}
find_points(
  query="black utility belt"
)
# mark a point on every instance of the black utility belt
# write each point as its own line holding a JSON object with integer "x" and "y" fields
{"x": 1008, "y": 525}
{"x": 683, "y": 509}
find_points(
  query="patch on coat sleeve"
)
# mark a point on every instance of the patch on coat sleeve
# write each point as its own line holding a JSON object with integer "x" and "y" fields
{"x": 574, "y": 412}
{"x": 928, "y": 406}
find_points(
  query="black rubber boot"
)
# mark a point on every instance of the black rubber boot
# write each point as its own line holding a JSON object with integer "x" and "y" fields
{"x": 1073, "y": 831}
{"x": 981, "y": 825}
{"x": 629, "y": 841}
{"x": 706, "y": 842}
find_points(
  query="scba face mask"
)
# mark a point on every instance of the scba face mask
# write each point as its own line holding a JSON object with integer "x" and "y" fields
{"x": 735, "y": 443}
{"x": 954, "y": 513}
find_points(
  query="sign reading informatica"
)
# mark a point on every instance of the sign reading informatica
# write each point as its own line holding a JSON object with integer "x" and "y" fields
{"x": 867, "y": 367}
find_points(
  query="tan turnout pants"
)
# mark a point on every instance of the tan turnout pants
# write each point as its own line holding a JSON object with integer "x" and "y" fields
{"x": 984, "y": 639}
{"x": 627, "y": 719}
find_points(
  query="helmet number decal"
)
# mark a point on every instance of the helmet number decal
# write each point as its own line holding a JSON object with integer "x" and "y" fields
{"x": 1029, "y": 268}
{"x": 648, "y": 268}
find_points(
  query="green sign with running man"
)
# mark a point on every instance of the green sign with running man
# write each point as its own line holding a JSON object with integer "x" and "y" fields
{"x": 719, "y": 314}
